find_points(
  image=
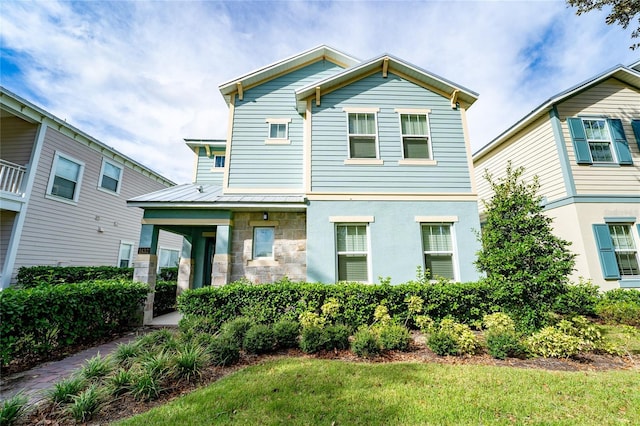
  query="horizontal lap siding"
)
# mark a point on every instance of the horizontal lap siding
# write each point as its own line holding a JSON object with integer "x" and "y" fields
{"x": 254, "y": 164}
{"x": 18, "y": 138}
{"x": 204, "y": 168}
{"x": 330, "y": 140}
{"x": 533, "y": 148}
{"x": 58, "y": 232}
{"x": 612, "y": 99}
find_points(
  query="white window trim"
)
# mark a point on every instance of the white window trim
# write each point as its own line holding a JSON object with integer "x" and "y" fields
{"x": 132, "y": 244}
{"x": 160, "y": 249}
{"x": 614, "y": 157}
{"x": 454, "y": 246}
{"x": 278, "y": 141}
{"x": 416, "y": 161}
{"x": 52, "y": 176}
{"x": 634, "y": 239}
{"x": 368, "y": 252}
{"x": 363, "y": 161}
{"x": 115, "y": 164}
{"x": 253, "y": 239}
{"x": 218, "y": 169}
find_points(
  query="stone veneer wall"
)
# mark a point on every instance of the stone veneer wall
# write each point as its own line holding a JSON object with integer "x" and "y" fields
{"x": 289, "y": 248}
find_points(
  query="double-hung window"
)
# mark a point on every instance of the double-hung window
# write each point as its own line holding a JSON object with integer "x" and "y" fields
{"x": 125, "y": 255}
{"x": 363, "y": 135}
{"x": 263, "y": 239}
{"x": 352, "y": 251}
{"x": 617, "y": 248}
{"x": 437, "y": 245}
{"x": 625, "y": 249}
{"x": 110, "y": 176}
{"x": 415, "y": 136}
{"x": 65, "y": 178}
{"x": 599, "y": 141}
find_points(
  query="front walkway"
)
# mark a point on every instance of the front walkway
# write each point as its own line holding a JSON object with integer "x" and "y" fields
{"x": 34, "y": 382}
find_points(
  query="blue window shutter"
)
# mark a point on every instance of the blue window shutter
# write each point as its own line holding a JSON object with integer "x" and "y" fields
{"x": 635, "y": 125}
{"x": 607, "y": 252}
{"x": 580, "y": 145}
{"x": 620, "y": 141}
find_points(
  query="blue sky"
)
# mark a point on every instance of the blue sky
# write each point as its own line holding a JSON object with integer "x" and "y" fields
{"x": 143, "y": 75}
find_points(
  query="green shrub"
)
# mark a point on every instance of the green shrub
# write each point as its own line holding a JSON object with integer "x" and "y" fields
{"x": 96, "y": 367}
{"x": 126, "y": 353}
{"x": 622, "y": 295}
{"x": 191, "y": 324}
{"x": 551, "y": 342}
{"x": 13, "y": 408}
{"x": 466, "y": 302}
{"x": 498, "y": 322}
{"x": 223, "y": 350}
{"x": 286, "y": 333}
{"x": 34, "y": 320}
{"x": 168, "y": 274}
{"x": 64, "y": 390}
{"x": 619, "y": 312}
{"x": 237, "y": 328}
{"x": 158, "y": 365}
{"x": 443, "y": 343}
{"x": 394, "y": 337}
{"x": 313, "y": 339}
{"x": 189, "y": 362}
{"x": 365, "y": 343}
{"x": 157, "y": 340}
{"x": 337, "y": 336}
{"x": 33, "y": 276}
{"x": 579, "y": 299}
{"x": 86, "y": 404}
{"x": 259, "y": 339}
{"x": 145, "y": 386}
{"x": 120, "y": 382}
{"x": 164, "y": 299}
{"x": 503, "y": 344}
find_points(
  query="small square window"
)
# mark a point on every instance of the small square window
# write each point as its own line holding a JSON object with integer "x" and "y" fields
{"x": 278, "y": 131}
{"x": 218, "y": 161}
{"x": 110, "y": 176}
{"x": 263, "y": 239}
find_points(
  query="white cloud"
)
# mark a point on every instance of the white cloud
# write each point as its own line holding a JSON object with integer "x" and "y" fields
{"x": 141, "y": 76}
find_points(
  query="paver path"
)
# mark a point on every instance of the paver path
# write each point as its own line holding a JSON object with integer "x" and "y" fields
{"x": 34, "y": 382}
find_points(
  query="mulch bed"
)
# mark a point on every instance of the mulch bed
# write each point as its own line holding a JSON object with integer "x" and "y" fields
{"x": 127, "y": 406}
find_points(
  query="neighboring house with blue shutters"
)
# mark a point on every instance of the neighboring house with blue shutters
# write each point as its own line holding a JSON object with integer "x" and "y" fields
{"x": 63, "y": 195}
{"x": 584, "y": 146}
{"x": 334, "y": 169}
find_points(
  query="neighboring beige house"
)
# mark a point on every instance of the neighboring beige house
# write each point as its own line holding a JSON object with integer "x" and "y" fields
{"x": 584, "y": 145}
{"x": 63, "y": 195}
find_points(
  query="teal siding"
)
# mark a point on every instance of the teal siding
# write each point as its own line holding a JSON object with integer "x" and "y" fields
{"x": 204, "y": 173}
{"x": 254, "y": 164}
{"x": 329, "y": 141}
{"x": 395, "y": 236}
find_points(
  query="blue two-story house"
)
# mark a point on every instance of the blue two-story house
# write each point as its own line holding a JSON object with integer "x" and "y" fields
{"x": 333, "y": 169}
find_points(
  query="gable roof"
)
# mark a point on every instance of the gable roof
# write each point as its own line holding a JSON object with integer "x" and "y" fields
{"x": 15, "y": 105}
{"x": 276, "y": 69}
{"x": 619, "y": 72}
{"x": 386, "y": 63}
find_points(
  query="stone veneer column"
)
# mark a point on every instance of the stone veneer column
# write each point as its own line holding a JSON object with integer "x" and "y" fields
{"x": 221, "y": 270}
{"x": 146, "y": 265}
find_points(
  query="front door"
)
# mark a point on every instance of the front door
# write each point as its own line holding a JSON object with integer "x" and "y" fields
{"x": 209, "y": 251}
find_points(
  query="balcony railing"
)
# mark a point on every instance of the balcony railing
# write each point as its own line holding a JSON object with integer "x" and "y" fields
{"x": 11, "y": 176}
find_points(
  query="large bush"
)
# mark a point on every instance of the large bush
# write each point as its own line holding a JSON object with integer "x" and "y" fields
{"x": 36, "y": 320}
{"x": 164, "y": 300}
{"x": 268, "y": 303}
{"x": 526, "y": 264}
{"x": 33, "y": 276}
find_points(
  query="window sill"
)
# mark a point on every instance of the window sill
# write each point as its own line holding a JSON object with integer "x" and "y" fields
{"x": 417, "y": 162}
{"x": 217, "y": 169}
{"x": 363, "y": 161}
{"x": 61, "y": 199}
{"x": 629, "y": 283}
{"x": 263, "y": 262}
{"x": 108, "y": 191}
{"x": 277, "y": 142}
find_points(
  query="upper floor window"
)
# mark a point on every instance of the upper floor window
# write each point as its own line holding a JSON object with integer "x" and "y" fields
{"x": 599, "y": 141}
{"x": 437, "y": 245}
{"x": 278, "y": 131}
{"x": 65, "y": 178}
{"x": 362, "y": 135}
{"x": 110, "y": 176}
{"x": 415, "y": 136}
{"x": 218, "y": 161}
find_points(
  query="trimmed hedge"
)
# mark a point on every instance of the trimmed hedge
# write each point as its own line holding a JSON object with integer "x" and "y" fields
{"x": 33, "y": 276}
{"x": 268, "y": 303}
{"x": 164, "y": 300}
{"x": 36, "y": 320}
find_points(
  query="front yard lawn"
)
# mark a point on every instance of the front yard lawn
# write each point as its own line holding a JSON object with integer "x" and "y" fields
{"x": 313, "y": 392}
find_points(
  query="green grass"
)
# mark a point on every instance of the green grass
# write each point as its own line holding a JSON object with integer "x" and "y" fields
{"x": 317, "y": 392}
